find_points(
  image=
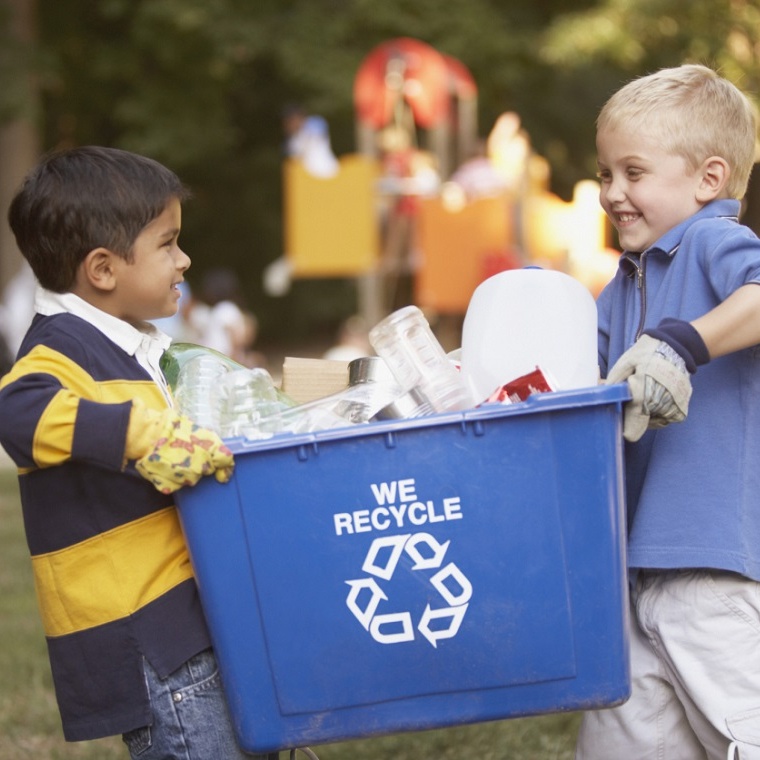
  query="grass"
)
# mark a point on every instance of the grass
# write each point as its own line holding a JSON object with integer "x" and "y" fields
{"x": 30, "y": 727}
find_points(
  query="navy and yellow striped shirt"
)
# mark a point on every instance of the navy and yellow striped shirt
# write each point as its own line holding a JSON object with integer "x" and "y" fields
{"x": 111, "y": 568}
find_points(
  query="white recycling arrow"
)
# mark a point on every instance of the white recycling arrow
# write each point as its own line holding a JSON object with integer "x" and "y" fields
{"x": 424, "y": 563}
{"x": 455, "y": 614}
{"x": 439, "y": 582}
{"x": 406, "y": 632}
{"x": 427, "y": 553}
{"x": 384, "y": 571}
{"x": 364, "y": 616}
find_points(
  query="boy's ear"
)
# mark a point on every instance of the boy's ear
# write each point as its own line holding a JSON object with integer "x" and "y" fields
{"x": 99, "y": 269}
{"x": 715, "y": 174}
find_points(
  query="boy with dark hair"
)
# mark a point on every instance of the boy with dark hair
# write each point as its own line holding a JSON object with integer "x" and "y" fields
{"x": 87, "y": 417}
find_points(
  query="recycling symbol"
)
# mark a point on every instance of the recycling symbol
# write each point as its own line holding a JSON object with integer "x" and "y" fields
{"x": 427, "y": 554}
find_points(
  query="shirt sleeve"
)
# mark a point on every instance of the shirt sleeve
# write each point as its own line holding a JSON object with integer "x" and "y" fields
{"x": 48, "y": 415}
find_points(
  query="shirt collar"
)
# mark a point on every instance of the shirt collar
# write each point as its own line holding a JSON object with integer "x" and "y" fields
{"x": 128, "y": 337}
{"x": 726, "y": 208}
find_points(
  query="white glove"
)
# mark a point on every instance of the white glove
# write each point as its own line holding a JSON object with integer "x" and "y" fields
{"x": 659, "y": 382}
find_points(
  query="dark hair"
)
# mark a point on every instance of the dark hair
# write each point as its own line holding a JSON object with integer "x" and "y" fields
{"x": 80, "y": 199}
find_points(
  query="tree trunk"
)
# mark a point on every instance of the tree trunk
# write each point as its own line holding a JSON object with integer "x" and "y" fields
{"x": 19, "y": 139}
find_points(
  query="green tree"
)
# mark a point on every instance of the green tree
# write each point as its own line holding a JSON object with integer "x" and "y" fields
{"x": 201, "y": 87}
{"x": 602, "y": 47}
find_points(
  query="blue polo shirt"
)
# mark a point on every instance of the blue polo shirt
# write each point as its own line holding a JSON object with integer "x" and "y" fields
{"x": 693, "y": 488}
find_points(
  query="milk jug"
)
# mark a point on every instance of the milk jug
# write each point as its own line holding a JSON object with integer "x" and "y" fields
{"x": 521, "y": 319}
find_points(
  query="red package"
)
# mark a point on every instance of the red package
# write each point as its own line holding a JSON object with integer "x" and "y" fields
{"x": 520, "y": 388}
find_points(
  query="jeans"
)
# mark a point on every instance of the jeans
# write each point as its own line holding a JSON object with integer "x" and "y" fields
{"x": 191, "y": 720}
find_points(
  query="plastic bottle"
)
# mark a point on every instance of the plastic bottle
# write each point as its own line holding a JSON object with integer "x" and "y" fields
{"x": 178, "y": 354}
{"x": 195, "y": 390}
{"x": 416, "y": 358}
{"x": 354, "y": 405}
{"x": 220, "y": 394}
{"x": 246, "y": 398}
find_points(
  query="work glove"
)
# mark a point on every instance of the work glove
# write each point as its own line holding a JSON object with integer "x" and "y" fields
{"x": 171, "y": 451}
{"x": 658, "y": 369}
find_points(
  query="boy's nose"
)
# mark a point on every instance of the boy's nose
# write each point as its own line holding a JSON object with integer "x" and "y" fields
{"x": 183, "y": 260}
{"x": 614, "y": 190}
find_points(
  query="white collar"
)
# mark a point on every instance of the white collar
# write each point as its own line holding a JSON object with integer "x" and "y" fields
{"x": 128, "y": 337}
{"x": 146, "y": 343}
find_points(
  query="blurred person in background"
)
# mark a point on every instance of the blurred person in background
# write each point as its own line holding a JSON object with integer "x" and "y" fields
{"x": 308, "y": 140}
{"x": 219, "y": 319}
{"x": 179, "y": 327}
{"x": 17, "y": 308}
{"x": 352, "y": 341}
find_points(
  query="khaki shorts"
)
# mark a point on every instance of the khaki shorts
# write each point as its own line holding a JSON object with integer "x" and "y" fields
{"x": 695, "y": 669}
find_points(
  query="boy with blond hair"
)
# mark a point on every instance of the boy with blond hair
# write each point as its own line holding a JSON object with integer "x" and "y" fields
{"x": 675, "y": 151}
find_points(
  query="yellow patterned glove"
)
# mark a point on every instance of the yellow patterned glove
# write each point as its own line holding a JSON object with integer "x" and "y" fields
{"x": 172, "y": 451}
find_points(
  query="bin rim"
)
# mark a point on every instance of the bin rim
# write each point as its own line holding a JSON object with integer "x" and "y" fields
{"x": 538, "y": 402}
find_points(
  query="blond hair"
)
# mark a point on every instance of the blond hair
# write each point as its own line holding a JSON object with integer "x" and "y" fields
{"x": 695, "y": 112}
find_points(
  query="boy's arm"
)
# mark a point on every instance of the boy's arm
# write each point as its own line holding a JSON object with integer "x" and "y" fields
{"x": 732, "y": 325}
{"x": 45, "y": 422}
{"x": 658, "y": 366}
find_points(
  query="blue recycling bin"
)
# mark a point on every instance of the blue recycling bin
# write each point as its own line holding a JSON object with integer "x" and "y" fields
{"x": 408, "y": 575}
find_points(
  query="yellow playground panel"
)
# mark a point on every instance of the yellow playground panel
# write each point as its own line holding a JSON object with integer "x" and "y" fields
{"x": 331, "y": 227}
{"x": 459, "y": 248}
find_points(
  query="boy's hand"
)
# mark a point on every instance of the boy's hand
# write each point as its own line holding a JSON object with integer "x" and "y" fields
{"x": 658, "y": 369}
{"x": 172, "y": 451}
{"x": 659, "y": 382}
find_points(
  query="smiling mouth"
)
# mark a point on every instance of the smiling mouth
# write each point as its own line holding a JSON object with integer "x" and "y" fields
{"x": 627, "y": 218}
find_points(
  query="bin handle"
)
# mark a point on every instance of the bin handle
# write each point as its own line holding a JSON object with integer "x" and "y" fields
{"x": 306, "y": 750}
{"x": 303, "y": 451}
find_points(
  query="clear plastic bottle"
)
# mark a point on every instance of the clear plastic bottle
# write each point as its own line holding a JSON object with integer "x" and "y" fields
{"x": 354, "y": 405}
{"x": 220, "y": 394}
{"x": 178, "y": 354}
{"x": 416, "y": 358}
{"x": 195, "y": 390}
{"x": 246, "y": 399}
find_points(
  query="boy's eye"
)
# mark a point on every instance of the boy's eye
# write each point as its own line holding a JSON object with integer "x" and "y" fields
{"x": 603, "y": 175}
{"x": 632, "y": 173}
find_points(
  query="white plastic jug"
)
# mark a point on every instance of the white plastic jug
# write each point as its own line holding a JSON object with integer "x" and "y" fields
{"x": 523, "y": 318}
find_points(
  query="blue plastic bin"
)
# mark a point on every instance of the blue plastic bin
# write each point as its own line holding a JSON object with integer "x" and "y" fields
{"x": 419, "y": 574}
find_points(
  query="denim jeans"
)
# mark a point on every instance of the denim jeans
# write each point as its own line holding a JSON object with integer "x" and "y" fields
{"x": 191, "y": 720}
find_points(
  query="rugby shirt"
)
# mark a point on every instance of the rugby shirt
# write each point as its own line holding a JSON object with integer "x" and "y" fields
{"x": 111, "y": 569}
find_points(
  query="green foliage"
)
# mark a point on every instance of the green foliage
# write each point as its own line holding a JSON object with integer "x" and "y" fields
{"x": 636, "y": 38}
{"x": 201, "y": 86}
{"x": 598, "y": 49}
{"x": 17, "y": 60}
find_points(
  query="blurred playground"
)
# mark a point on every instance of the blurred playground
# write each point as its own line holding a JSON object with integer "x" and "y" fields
{"x": 426, "y": 207}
